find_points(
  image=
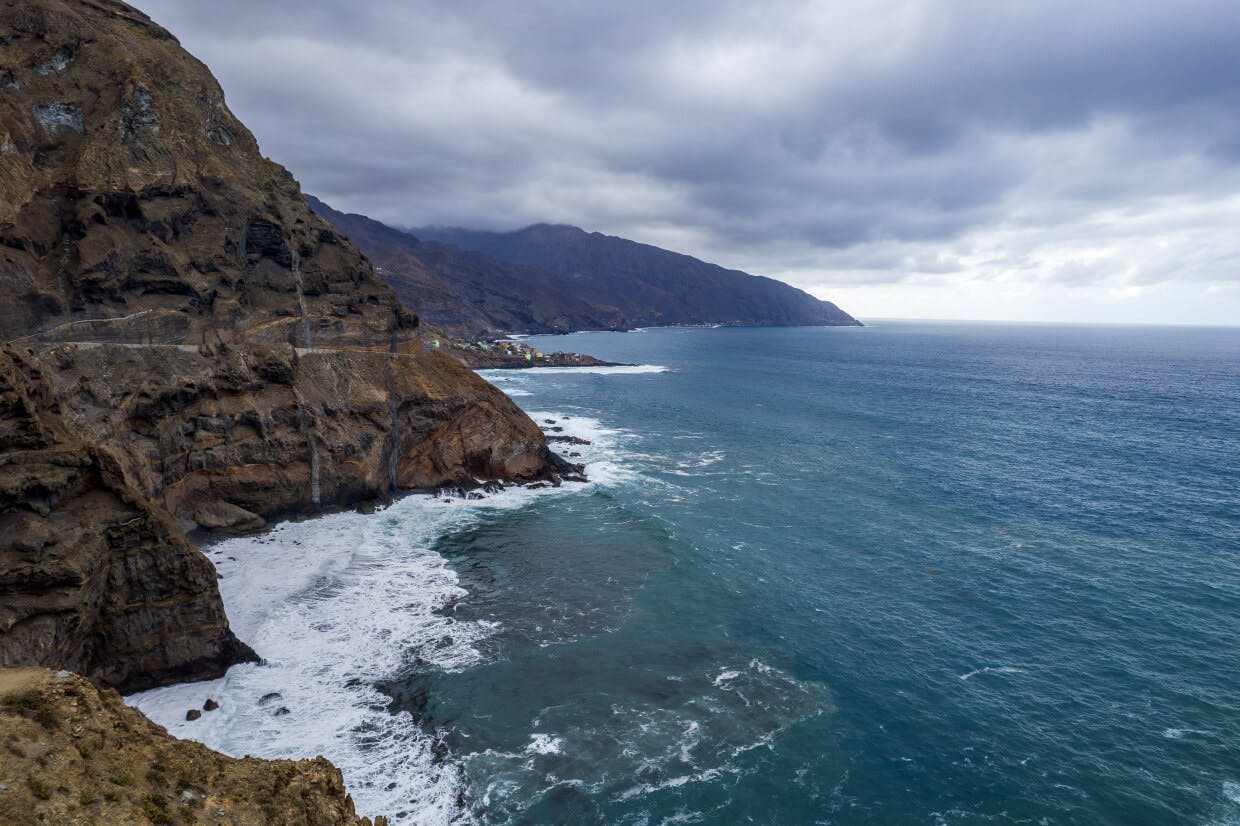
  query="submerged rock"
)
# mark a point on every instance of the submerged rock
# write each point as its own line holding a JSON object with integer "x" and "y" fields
{"x": 572, "y": 440}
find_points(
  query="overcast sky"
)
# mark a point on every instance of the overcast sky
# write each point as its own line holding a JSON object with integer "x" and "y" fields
{"x": 1036, "y": 160}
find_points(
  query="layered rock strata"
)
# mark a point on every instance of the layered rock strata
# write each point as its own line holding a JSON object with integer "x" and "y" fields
{"x": 93, "y": 576}
{"x": 227, "y": 437}
{"x": 200, "y": 350}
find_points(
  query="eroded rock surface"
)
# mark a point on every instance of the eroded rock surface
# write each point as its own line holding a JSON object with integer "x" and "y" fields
{"x": 229, "y": 437}
{"x": 93, "y": 576}
{"x": 137, "y": 208}
{"x": 77, "y": 755}
{"x": 213, "y": 354}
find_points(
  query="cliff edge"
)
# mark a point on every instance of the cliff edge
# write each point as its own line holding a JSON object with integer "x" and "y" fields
{"x": 76, "y": 754}
{"x": 189, "y": 347}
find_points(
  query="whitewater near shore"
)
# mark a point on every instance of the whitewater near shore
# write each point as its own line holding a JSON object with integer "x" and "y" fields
{"x": 339, "y": 606}
{"x": 812, "y": 566}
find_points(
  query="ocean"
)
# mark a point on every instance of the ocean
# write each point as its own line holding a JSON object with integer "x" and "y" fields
{"x": 922, "y": 573}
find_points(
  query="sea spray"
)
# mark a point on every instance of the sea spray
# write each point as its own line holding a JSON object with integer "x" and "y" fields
{"x": 810, "y": 539}
{"x": 336, "y": 606}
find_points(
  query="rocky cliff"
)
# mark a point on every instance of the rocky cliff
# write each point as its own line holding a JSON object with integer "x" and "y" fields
{"x": 136, "y": 208}
{"x": 75, "y": 754}
{"x": 198, "y": 348}
{"x": 93, "y": 576}
{"x": 227, "y": 437}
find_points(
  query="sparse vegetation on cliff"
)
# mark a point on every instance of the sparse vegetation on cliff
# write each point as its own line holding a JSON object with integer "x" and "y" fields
{"x": 98, "y": 761}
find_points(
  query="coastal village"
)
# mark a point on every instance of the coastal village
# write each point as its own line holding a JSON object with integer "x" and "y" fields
{"x": 507, "y": 353}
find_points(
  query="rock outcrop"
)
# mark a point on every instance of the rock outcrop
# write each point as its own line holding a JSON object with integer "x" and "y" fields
{"x": 76, "y": 755}
{"x": 136, "y": 208}
{"x": 228, "y": 437}
{"x": 198, "y": 348}
{"x": 93, "y": 577}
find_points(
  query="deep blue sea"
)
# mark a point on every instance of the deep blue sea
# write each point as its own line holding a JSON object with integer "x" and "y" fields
{"x": 912, "y": 573}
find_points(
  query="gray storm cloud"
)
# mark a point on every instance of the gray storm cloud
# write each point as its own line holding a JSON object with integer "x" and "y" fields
{"x": 840, "y": 145}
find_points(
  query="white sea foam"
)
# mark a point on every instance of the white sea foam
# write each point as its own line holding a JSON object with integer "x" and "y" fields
{"x": 544, "y": 744}
{"x": 642, "y": 789}
{"x": 618, "y": 370}
{"x": 1003, "y": 669}
{"x": 338, "y": 605}
{"x": 335, "y": 606}
{"x": 604, "y": 457}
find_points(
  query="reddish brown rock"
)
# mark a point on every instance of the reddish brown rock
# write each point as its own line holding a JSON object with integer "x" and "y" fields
{"x": 235, "y": 436}
{"x": 216, "y": 355}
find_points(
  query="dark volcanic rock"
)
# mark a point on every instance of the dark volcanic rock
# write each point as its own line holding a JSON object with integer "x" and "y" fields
{"x": 94, "y": 576}
{"x": 572, "y": 440}
{"x": 189, "y": 340}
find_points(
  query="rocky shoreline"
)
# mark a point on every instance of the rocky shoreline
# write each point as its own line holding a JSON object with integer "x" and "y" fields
{"x": 188, "y": 348}
{"x": 76, "y": 754}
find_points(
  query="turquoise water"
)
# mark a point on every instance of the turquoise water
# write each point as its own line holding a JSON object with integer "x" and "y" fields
{"x": 912, "y": 573}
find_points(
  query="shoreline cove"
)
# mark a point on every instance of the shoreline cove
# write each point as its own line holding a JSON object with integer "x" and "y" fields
{"x": 340, "y": 604}
{"x": 809, "y": 569}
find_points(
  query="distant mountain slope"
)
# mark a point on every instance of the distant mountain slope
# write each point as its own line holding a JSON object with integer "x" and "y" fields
{"x": 648, "y": 284}
{"x": 469, "y": 293}
{"x": 550, "y": 279}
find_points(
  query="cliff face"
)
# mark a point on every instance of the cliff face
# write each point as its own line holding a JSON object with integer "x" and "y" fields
{"x": 211, "y": 352}
{"x": 76, "y": 755}
{"x": 137, "y": 208}
{"x": 94, "y": 577}
{"x": 227, "y": 437}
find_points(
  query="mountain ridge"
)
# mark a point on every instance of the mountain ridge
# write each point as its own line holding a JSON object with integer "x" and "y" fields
{"x": 467, "y": 293}
{"x": 558, "y": 278}
{"x": 652, "y": 283}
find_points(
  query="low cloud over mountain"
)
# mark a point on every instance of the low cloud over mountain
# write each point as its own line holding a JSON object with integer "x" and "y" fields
{"x": 959, "y": 157}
